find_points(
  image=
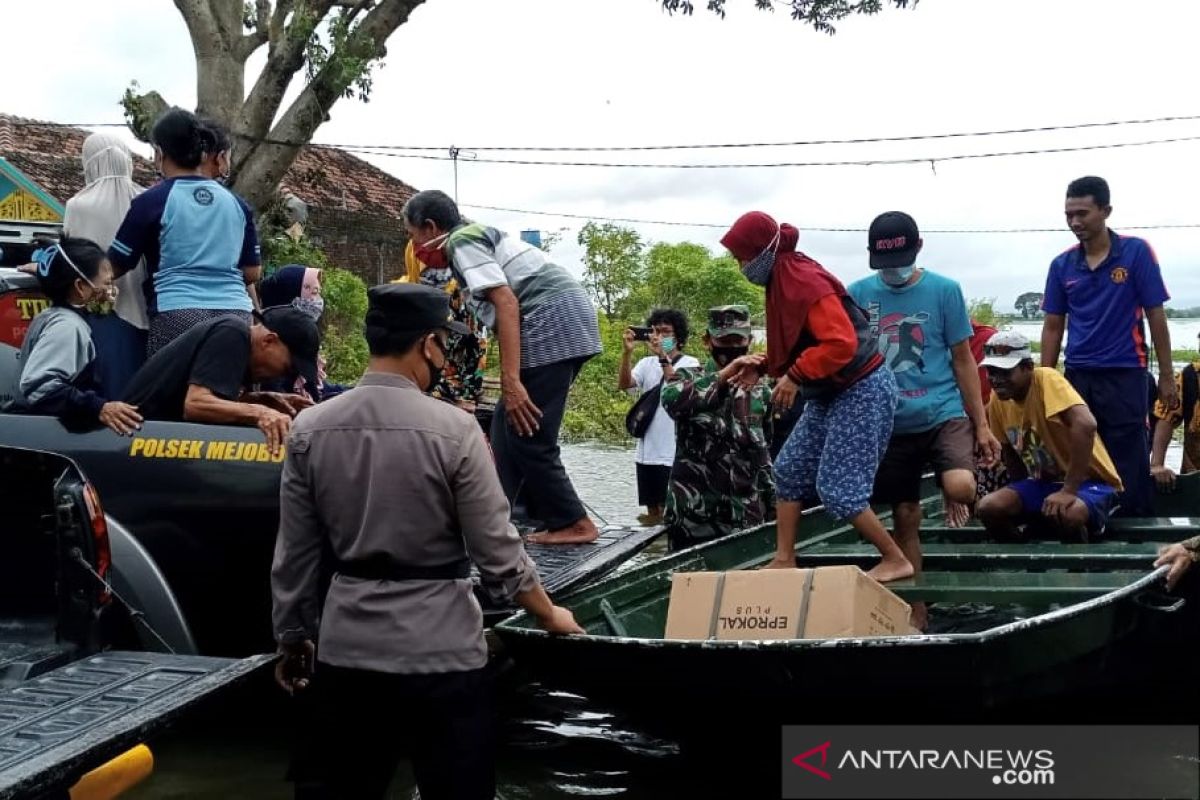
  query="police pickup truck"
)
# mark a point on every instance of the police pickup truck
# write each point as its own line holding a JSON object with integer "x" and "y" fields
{"x": 192, "y": 512}
{"x": 70, "y": 698}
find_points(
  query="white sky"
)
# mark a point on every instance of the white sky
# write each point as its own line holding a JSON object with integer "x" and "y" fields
{"x": 621, "y": 72}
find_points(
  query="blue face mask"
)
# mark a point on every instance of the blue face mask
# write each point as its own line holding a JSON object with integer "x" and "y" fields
{"x": 668, "y": 343}
{"x": 897, "y": 276}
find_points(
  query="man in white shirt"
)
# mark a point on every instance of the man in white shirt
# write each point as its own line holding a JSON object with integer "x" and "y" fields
{"x": 668, "y": 333}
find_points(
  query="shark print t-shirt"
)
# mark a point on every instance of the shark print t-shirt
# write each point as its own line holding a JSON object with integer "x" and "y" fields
{"x": 917, "y": 325}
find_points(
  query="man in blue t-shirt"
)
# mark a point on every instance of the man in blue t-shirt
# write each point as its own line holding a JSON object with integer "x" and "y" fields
{"x": 925, "y": 338}
{"x": 1102, "y": 292}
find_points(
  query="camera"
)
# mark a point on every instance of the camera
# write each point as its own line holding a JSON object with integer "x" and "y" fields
{"x": 640, "y": 334}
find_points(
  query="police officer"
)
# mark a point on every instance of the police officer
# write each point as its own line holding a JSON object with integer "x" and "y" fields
{"x": 401, "y": 492}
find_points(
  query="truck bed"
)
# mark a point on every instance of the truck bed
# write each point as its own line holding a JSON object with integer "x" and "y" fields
{"x": 55, "y": 727}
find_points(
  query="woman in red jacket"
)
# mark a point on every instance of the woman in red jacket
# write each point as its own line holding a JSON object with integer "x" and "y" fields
{"x": 820, "y": 347}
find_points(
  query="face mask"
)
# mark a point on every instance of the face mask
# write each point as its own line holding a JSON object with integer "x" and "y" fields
{"x": 432, "y": 254}
{"x": 667, "y": 343}
{"x": 758, "y": 269}
{"x": 435, "y": 372}
{"x": 312, "y": 306}
{"x": 724, "y": 355}
{"x": 896, "y": 276}
{"x": 45, "y": 258}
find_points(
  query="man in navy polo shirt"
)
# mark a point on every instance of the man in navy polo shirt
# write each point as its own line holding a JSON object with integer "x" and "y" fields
{"x": 1103, "y": 291}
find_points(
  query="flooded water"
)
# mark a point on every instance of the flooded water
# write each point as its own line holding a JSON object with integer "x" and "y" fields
{"x": 554, "y": 744}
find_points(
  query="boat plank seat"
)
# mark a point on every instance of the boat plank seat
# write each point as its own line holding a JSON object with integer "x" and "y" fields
{"x": 1011, "y": 587}
{"x": 1128, "y": 529}
{"x": 1030, "y": 555}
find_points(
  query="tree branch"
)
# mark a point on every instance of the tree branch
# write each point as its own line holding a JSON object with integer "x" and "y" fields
{"x": 279, "y": 18}
{"x": 198, "y": 16}
{"x": 269, "y": 160}
{"x": 284, "y": 60}
{"x": 248, "y": 43}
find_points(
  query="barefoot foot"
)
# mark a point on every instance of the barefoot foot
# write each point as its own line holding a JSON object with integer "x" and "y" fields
{"x": 581, "y": 532}
{"x": 892, "y": 569}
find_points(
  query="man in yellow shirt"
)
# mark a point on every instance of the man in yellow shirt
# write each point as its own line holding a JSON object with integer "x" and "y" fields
{"x": 1060, "y": 470}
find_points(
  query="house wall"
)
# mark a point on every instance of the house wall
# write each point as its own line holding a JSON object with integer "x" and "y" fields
{"x": 372, "y": 247}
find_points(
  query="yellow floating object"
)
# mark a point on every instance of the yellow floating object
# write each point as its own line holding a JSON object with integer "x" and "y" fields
{"x": 115, "y": 777}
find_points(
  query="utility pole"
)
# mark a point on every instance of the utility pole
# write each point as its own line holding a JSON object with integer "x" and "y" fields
{"x": 455, "y": 154}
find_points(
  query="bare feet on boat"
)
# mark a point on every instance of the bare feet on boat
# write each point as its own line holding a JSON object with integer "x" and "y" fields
{"x": 581, "y": 532}
{"x": 957, "y": 514}
{"x": 892, "y": 569}
{"x": 920, "y": 616}
{"x": 780, "y": 563}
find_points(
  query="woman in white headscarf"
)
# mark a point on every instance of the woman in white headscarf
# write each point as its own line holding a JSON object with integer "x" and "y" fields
{"x": 96, "y": 213}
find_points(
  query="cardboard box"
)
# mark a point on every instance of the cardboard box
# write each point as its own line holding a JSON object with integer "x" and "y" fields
{"x": 822, "y": 603}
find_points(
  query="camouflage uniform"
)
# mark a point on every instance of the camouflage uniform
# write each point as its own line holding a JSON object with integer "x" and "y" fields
{"x": 721, "y": 481}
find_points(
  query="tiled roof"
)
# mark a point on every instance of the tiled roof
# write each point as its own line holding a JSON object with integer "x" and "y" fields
{"x": 325, "y": 177}
{"x": 322, "y": 177}
{"x": 49, "y": 155}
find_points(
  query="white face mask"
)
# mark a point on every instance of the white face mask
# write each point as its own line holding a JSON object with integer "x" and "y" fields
{"x": 45, "y": 258}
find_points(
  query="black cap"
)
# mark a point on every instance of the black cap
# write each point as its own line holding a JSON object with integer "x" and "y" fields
{"x": 298, "y": 331}
{"x": 414, "y": 307}
{"x": 893, "y": 240}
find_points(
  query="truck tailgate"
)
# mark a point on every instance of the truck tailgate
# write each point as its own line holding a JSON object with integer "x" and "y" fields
{"x": 63, "y": 723}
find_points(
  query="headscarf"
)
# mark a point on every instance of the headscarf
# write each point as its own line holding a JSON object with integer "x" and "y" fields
{"x": 797, "y": 282}
{"x": 97, "y": 211}
{"x": 282, "y": 286}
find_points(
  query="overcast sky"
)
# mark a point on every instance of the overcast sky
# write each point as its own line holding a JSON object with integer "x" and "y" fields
{"x": 477, "y": 73}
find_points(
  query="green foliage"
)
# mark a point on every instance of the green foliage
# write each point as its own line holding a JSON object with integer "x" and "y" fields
{"x": 688, "y": 277}
{"x": 596, "y": 409}
{"x": 344, "y": 49}
{"x": 820, "y": 14}
{"x": 345, "y": 308}
{"x": 279, "y": 251}
{"x": 983, "y": 311}
{"x": 612, "y": 263}
{"x": 683, "y": 276}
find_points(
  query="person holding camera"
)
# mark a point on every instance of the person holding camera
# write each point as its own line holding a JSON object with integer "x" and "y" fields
{"x": 665, "y": 335}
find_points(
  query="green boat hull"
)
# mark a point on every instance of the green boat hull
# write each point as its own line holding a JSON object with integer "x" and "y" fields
{"x": 1048, "y": 619}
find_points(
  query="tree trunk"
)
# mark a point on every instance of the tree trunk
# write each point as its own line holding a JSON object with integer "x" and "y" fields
{"x": 215, "y": 26}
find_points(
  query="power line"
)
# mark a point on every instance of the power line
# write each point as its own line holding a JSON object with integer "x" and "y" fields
{"x": 815, "y": 229}
{"x": 806, "y": 143}
{"x": 932, "y": 160}
{"x": 668, "y": 147}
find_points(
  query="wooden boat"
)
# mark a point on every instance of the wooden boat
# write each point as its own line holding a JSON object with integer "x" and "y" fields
{"x": 1008, "y": 622}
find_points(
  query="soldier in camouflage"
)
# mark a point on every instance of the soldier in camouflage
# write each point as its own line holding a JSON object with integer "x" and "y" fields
{"x": 721, "y": 481}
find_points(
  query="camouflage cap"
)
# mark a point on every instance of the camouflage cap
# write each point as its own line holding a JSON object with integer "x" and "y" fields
{"x": 728, "y": 321}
